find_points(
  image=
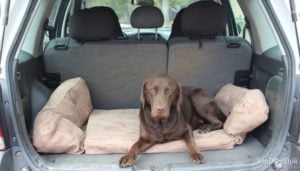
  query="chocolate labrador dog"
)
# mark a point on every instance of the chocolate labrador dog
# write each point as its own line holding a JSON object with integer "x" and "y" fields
{"x": 170, "y": 112}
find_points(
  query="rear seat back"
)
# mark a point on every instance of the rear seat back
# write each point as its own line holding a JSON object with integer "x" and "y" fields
{"x": 114, "y": 69}
{"x": 202, "y": 59}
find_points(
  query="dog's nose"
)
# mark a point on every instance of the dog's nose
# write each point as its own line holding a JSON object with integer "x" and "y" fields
{"x": 160, "y": 110}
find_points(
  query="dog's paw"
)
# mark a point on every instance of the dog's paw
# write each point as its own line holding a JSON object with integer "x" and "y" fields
{"x": 197, "y": 158}
{"x": 204, "y": 129}
{"x": 126, "y": 161}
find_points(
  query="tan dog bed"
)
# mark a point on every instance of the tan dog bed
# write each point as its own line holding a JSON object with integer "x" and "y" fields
{"x": 115, "y": 131}
{"x": 58, "y": 127}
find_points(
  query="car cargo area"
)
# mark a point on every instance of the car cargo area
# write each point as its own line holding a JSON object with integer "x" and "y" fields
{"x": 207, "y": 55}
{"x": 250, "y": 150}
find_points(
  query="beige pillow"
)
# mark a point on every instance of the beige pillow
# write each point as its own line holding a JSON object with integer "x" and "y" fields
{"x": 246, "y": 109}
{"x": 57, "y": 127}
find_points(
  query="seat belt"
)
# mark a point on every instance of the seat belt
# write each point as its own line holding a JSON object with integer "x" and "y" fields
{"x": 247, "y": 26}
{"x": 244, "y": 77}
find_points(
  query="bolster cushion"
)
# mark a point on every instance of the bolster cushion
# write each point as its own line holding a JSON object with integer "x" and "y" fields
{"x": 246, "y": 109}
{"x": 57, "y": 127}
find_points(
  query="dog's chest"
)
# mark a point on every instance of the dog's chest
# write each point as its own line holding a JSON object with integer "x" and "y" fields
{"x": 169, "y": 137}
{"x": 164, "y": 134}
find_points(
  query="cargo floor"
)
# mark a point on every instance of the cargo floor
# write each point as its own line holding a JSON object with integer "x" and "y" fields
{"x": 250, "y": 149}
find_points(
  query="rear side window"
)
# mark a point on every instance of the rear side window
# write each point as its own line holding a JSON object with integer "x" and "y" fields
{"x": 240, "y": 20}
{"x": 51, "y": 20}
{"x": 53, "y": 14}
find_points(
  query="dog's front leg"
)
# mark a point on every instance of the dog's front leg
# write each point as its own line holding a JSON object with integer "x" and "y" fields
{"x": 188, "y": 138}
{"x": 140, "y": 146}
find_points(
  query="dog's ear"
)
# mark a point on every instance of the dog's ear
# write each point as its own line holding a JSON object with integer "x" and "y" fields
{"x": 142, "y": 97}
{"x": 179, "y": 97}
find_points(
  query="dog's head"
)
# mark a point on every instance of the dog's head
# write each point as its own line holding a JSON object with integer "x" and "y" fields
{"x": 161, "y": 95}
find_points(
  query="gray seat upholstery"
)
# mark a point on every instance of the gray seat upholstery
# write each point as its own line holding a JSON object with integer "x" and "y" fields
{"x": 114, "y": 69}
{"x": 201, "y": 58}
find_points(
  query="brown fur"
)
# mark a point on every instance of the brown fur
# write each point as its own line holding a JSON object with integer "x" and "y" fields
{"x": 170, "y": 112}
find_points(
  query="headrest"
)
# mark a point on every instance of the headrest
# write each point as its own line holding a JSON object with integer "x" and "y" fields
{"x": 203, "y": 18}
{"x": 94, "y": 24}
{"x": 176, "y": 26}
{"x": 147, "y": 17}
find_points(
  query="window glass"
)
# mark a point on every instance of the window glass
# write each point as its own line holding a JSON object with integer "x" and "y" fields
{"x": 240, "y": 21}
{"x": 238, "y": 16}
{"x": 297, "y": 3}
{"x": 70, "y": 12}
{"x": 53, "y": 14}
{"x": 124, "y": 8}
{"x": 52, "y": 18}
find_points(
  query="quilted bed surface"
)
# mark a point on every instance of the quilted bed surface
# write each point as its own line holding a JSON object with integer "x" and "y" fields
{"x": 115, "y": 131}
